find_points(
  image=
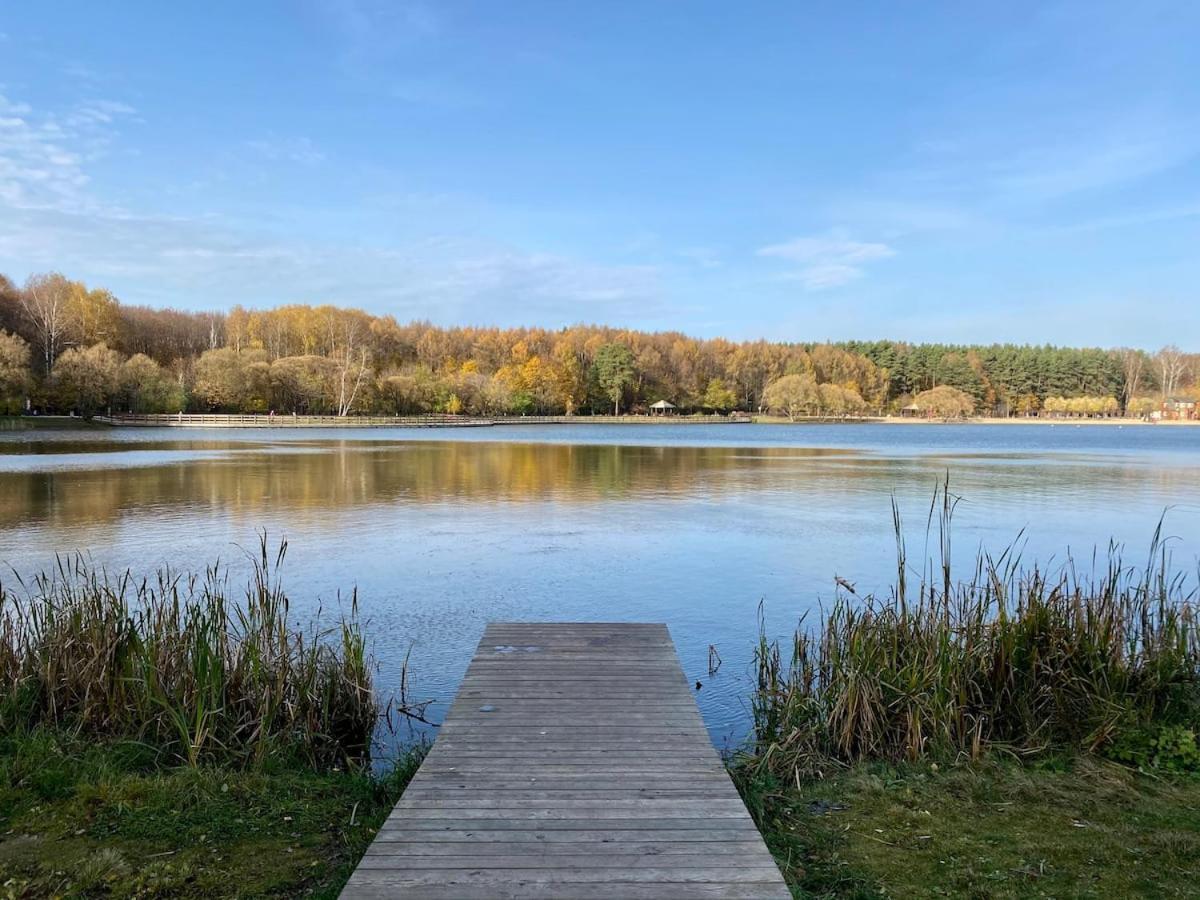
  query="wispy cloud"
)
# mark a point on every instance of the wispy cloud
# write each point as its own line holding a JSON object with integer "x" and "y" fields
{"x": 299, "y": 150}
{"x": 704, "y": 257}
{"x": 37, "y": 165}
{"x": 433, "y": 92}
{"x": 371, "y": 32}
{"x": 199, "y": 263}
{"x": 1048, "y": 172}
{"x": 51, "y": 218}
{"x": 98, "y": 112}
{"x": 829, "y": 260}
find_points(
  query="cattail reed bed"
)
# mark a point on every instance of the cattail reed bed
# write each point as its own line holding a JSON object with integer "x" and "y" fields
{"x": 1012, "y": 658}
{"x": 186, "y": 665}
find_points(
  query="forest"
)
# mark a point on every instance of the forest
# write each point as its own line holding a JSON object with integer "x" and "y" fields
{"x": 66, "y": 347}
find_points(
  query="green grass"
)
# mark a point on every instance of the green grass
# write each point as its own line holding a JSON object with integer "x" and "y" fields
{"x": 1066, "y": 827}
{"x": 87, "y": 819}
{"x": 48, "y": 423}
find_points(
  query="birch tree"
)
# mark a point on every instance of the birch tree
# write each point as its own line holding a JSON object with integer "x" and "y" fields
{"x": 1172, "y": 365}
{"x": 45, "y": 302}
{"x": 1133, "y": 363}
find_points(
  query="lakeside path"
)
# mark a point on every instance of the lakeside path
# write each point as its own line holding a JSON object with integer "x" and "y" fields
{"x": 257, "y": 420}
{"x": 261, "y": 421}
{"x": 572, "y": 764}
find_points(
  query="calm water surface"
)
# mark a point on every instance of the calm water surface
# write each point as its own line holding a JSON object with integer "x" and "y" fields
{"x": 444, "y": 530}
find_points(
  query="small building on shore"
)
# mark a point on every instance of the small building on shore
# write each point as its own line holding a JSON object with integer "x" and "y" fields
{"x": 1176, "y": 409}
{"x": 662, "y": 408}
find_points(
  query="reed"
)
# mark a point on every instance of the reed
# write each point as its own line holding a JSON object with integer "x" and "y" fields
{"x": 1011, "y": 657}
{"x": 183, "y": 664}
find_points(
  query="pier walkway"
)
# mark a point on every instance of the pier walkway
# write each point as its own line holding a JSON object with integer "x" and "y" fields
{"x": 573, "y": 764}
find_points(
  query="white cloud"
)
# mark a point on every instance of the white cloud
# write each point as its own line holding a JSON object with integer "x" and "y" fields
{"x": 42, "y": 157}
{"x": 1050, "y": 172}
{"x": 371, "y": 33}
{"x": 301, "y": 150}
{"x": 703, "y": 257}
{"x": 829, "y": 260}
{"x": 50, "y": 218}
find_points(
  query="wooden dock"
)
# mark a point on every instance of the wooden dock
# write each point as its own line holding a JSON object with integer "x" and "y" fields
{"x": 573, "y": 764}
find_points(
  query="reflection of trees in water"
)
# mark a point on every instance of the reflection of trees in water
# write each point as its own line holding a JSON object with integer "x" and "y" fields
{"x": 333, "y": 474}
{"x": 351, "y": 473}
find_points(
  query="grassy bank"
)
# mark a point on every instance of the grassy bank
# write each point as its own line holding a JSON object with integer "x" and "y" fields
{"x": 175, "y": 737}
{"x": 1061, "y": 827}
{"x": 110, "y": 819}
{"x": 48, "y": 423}
{"x": 1013, "y": 733}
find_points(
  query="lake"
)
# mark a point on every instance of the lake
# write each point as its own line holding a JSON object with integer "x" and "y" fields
{"x": 444, "y": 530}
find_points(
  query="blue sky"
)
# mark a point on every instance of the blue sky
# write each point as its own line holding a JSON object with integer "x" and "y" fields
{"x": 923, "y": 171}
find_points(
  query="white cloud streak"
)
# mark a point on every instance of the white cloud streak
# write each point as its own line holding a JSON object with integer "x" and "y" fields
{"x": 829, "y": 260}
{"x": 42, "y": 158}
{"x": 301, "y": 150}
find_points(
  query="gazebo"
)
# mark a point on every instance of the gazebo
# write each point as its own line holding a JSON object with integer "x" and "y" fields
{"x": 662, "y": 408}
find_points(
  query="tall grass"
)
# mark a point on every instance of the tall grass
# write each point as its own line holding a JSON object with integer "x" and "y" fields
{"x": 1010, "y": 657}
{"x": 184, "y": 665}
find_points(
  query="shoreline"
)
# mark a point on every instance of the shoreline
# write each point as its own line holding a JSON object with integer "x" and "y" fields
{"x": 252, "y": 421}
{"x": 973, "y": 420}
{"x": 1066, "y": 423}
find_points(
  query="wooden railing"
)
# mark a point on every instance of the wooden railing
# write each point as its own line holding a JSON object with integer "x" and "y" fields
{"x": 619, "y": 420}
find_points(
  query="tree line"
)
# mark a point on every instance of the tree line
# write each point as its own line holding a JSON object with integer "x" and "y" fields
{"x": 67, "y": 347}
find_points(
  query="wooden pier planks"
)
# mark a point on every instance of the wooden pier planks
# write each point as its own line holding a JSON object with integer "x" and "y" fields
{"x": 573, "y": 764}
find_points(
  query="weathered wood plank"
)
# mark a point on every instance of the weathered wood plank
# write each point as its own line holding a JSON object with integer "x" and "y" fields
{"x": 572, "y": 763}
{"x": 518, "y": 890}
{"x": 595, "y": 838}
{"x": 606, "y": 849}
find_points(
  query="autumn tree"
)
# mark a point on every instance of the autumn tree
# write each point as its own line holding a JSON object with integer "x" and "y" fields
{"x": 306, "y": 384}
{"x": 228, "y": 380}
{"x": 12, "y": 316}
{"x": 87, "y": 379}
{"x": 570, "y": 381}
{"x": 792, "y": 396}
{"x": 15, "y": 376}
{"x": 718, "y": 396}
{"x": 1141, "y": 407}
{"x": 945, "y": 402}
{"x": 614, "y": 372}
{"x": 146, "y": 388}
{"x": 92, "y": 316}
{"x": 836, "y": 400}
{"x": 45, "y": 302}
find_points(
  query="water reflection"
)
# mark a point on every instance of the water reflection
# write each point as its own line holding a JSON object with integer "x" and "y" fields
{"x": 442, "y": 534}
{"x": 249, "y": 479}
{"x": 349, "y": 474}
